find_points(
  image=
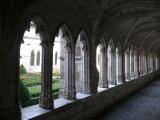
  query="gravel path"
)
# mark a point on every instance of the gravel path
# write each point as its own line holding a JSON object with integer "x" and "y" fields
{"x": 144, "y": 105}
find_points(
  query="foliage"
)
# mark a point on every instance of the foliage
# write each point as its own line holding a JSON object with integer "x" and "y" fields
{"x": 24, "y": 94}
{"x": 31, "y": 84}
{"x": 31, "y": 78}
{"x": 23, "y": 69}
{"x": 56, "y": 72}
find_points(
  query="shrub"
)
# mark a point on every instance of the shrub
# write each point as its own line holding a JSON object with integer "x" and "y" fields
{"x": 23, "y": 69}
{"x": 56, "y": 72}
{"x": 24, "y": 95}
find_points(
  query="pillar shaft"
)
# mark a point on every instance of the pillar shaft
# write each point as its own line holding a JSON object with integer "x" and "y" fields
{"x": 46, "y": 98}
{"x": 103, "y": 81}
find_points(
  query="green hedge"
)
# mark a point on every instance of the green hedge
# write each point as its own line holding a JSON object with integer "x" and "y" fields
{"x": 23, "y": 69}
{"x": 24, "y": 94}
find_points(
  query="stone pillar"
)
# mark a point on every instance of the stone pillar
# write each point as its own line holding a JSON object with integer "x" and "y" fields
{"x": 123, "y": 67}
{"x": 85, "y": 82}
{"x": 145, "y": 61}
{"x": 68, "y": 75}
{"x": 149, "y": 63}
{"x": 103, "y": 81}
{"x": 46, "y": 98}
{"x": 114, "y": 69}
{"x": 138, "y": 65}
{"x": 127, "y": 67}
{"x": 118, "y": 66}
{"x": 135, "y": 65}
{"x": 147, "y": 66}
{"x": 154, "y": 62}
{"x": 93, "y": 72}
{"x": 131, "y": 64}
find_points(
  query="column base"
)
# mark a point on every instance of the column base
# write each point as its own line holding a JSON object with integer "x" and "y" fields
{"x": 68, "y": 94}
{"x": 103, "y": 83}
{"x": 119, "y": 79}
{"x": 86, "y": 88}
{"x": 46, "y": 102}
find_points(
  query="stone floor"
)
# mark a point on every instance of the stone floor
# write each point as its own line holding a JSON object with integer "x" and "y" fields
{"x": 144, "y": 105}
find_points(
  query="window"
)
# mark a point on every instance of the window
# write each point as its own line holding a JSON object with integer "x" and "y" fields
{"x": 38, "y": 58}
{"x": 32, "y": 58}
{"x": 56, "y": 57}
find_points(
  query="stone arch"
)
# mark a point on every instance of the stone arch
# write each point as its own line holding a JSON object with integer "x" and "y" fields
{"x": 82, "y": 63}
{"x": 67, "y": 64}
{"x": 46, "y": 100}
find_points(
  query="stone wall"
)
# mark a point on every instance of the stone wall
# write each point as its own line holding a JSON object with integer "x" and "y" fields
{"x": 91, "y": 106}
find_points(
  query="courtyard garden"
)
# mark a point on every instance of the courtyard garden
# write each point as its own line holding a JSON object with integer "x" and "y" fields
{"x": 30, "y": 86}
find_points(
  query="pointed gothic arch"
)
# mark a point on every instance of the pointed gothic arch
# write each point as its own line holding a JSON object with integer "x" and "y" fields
{"x": 67, "y": 65}
{"x": 82, "y": 63}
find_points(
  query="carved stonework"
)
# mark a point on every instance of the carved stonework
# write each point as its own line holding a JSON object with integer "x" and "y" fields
{"x": 46, "y": 101}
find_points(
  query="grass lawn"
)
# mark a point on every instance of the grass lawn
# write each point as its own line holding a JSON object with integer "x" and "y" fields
{"x": 33, "y": 83}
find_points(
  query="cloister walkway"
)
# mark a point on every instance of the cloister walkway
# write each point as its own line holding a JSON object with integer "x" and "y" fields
{"x": 143, "y": 105}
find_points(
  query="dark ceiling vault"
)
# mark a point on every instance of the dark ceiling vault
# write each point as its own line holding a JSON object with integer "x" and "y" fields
{"x": 136, "y": 22}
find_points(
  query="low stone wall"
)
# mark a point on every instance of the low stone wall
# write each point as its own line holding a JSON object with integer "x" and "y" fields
{"x": 89, "y": 107}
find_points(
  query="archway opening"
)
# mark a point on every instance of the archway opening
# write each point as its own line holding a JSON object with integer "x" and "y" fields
{"x": 62, "y": 78}
{"x": 79, "y": 65}
{"x": 30, "y": 66}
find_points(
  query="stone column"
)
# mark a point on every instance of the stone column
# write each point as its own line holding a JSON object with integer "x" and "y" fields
{"x": 127, "y": 67}
{"x": 154, "y": 62}
{"x": 131, "y": 64}
{"x": 138, "y": 66}
{"x": 135, "y": 65}
{"x": 103, "y": 81}
{"x": 123, "y": 67}
{"x": 119, "y": 67}
{"x": 46, "y": 98}
{"x": 147, "y": 67}
{"x": 68, "y": 82}
{"x": 113, "y": 65}
{"x": 93, "y": 72}
{"x": 145, "y": 61}
{"x": 86, "y": 83}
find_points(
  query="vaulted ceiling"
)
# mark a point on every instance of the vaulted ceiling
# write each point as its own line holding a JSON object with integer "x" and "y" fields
{"x": 132, "y": 22}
